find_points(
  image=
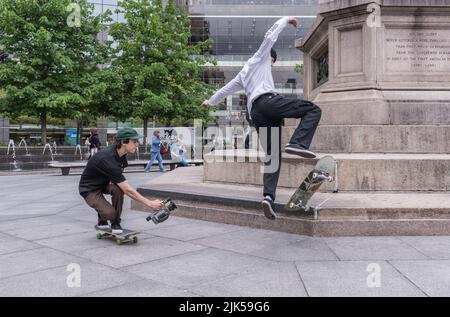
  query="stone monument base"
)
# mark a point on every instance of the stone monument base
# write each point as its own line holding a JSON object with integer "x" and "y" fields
{"x": 340, "y": 214}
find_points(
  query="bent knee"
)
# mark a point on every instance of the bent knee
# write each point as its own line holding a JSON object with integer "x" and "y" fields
{"x": 116, "y": 191}
{"x": 317, "y": 111}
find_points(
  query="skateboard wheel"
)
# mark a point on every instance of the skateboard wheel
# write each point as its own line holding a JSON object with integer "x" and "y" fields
{"x": 135, "y": 239}
{"x": 99, "y": 236}
{"x": 119, "y": 242}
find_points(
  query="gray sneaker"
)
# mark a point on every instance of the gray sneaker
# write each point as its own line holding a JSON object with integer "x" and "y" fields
{"x": 267, "y": 206}
{"x": 298, "y": 150}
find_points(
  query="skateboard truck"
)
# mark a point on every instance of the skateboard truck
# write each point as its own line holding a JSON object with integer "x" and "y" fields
{"x": 319, "y": 177}
{"x": 300, "y": 207}
{"x": 162, "y": 214}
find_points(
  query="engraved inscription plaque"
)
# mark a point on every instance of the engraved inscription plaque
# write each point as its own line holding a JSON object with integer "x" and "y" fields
{"x": 417, "y": 50}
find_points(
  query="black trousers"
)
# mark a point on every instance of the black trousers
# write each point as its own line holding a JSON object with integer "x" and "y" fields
{"x": 268, "y": 114}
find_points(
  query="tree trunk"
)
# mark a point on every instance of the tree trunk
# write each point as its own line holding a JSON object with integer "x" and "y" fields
{"x": 43, "y": 118}
{"x": 77, "y": 139}
{"x": 145, "y": 131}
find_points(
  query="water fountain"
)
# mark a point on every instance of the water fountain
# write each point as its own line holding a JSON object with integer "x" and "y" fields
{"x": 11, "y": 145}
{"x": 47, "y": 145}
{"x": 22, "y": 141}
{"x": 15, "y": 165}
{"x": 54, "y": 148}
{"x": 78, "y": 148}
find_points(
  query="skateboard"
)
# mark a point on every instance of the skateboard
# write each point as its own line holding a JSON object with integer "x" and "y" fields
{"x": 323, "y": 171}
{"x": 125, "y": 236}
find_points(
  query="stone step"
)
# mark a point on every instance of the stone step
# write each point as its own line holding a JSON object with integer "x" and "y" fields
{"x": 355, "y": 172}
{"x": 378, "y": 138}
{"x": 339, "y": 214}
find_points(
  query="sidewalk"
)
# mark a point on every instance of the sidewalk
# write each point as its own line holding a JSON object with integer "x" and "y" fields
{"x": 46, "y": 234}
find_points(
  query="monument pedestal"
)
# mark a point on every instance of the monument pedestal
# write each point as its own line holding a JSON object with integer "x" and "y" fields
{"x": 380, "y": 71}
{"x": 363, "y": 213}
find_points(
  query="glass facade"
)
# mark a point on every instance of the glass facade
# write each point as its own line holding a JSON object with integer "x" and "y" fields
{"x": 101, "y": 6}
{"x": 237, "y": 38}
{"x": 236, "y": 29}
{"x": 248, "y": 2}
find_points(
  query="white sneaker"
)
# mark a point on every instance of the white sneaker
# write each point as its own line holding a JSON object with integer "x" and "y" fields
{"x": 298, "y": 150}
{"x": 267, "y": 206}
{"x": 103, "y": 225}
{"x": 116, "y": 228}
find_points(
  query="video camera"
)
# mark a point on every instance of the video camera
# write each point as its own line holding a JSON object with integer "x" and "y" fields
{"x": 162, "y": 214}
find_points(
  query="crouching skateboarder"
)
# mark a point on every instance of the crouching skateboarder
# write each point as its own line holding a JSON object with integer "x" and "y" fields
{"x": 268, "y": 109}
{"x": 104, "y": 175}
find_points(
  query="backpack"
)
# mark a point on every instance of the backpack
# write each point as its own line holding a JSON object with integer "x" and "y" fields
{"x": 163, "y": 149}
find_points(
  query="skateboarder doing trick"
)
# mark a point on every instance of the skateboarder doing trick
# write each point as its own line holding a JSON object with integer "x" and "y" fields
{"x": 103, "y": 175}
{"x": 267, "y": 110}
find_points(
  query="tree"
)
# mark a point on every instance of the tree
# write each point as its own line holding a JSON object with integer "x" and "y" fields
{"x": 3, "y": 57}
{"x": 55, "y": 56}
{"x": 161, "y": 77}
{"x": 298, "y": 68}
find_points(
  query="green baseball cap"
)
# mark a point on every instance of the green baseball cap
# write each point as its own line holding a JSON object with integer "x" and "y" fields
{"x": 128, "y": 133}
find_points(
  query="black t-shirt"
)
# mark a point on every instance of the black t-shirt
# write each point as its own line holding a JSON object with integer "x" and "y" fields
{"x": 94, "y": 141}
{"x": 104, "y": 167}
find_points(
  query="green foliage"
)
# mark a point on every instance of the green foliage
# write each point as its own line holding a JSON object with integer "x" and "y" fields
{"x": 160, "y": 75}
{"x": 53, "y": 63}
{"x": 298, "y": 68}
{"x": 54, "y": 73}
{"x": 36, "y": 120}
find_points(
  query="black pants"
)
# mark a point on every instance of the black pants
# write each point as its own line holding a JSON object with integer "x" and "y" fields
{"x": 268, "y": 113}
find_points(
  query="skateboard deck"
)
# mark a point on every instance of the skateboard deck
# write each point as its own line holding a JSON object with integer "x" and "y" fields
{"x": 324, "y": 170}
{"x": 125, "y": 236}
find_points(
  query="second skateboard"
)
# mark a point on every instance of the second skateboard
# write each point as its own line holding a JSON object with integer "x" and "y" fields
{"x": 323, "y": 171}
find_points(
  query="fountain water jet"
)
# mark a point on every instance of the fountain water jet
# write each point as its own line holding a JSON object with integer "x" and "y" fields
{"x": 47, "y": 145}
{"x": 22, "y": 141}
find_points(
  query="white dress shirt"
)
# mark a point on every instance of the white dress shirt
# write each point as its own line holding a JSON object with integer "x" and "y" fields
{"x": 255, "y": 78}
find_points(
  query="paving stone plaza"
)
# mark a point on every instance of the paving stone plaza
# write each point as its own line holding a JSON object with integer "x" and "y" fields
{"x": 378, "y": 70}
{"x": 46, "y": 230}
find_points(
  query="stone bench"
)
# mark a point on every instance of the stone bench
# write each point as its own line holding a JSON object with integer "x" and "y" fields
{"x": 66, "y": 166}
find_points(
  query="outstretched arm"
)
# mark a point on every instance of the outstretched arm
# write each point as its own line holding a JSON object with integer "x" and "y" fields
{"x": 233, "y": 86}
{"x": 269, "y": 40}
{"x": 272, "y": 35}
{"x": 133, "y": 194}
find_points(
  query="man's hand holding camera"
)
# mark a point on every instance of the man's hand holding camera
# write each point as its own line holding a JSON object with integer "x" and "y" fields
{"x": 154, "y": 204}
